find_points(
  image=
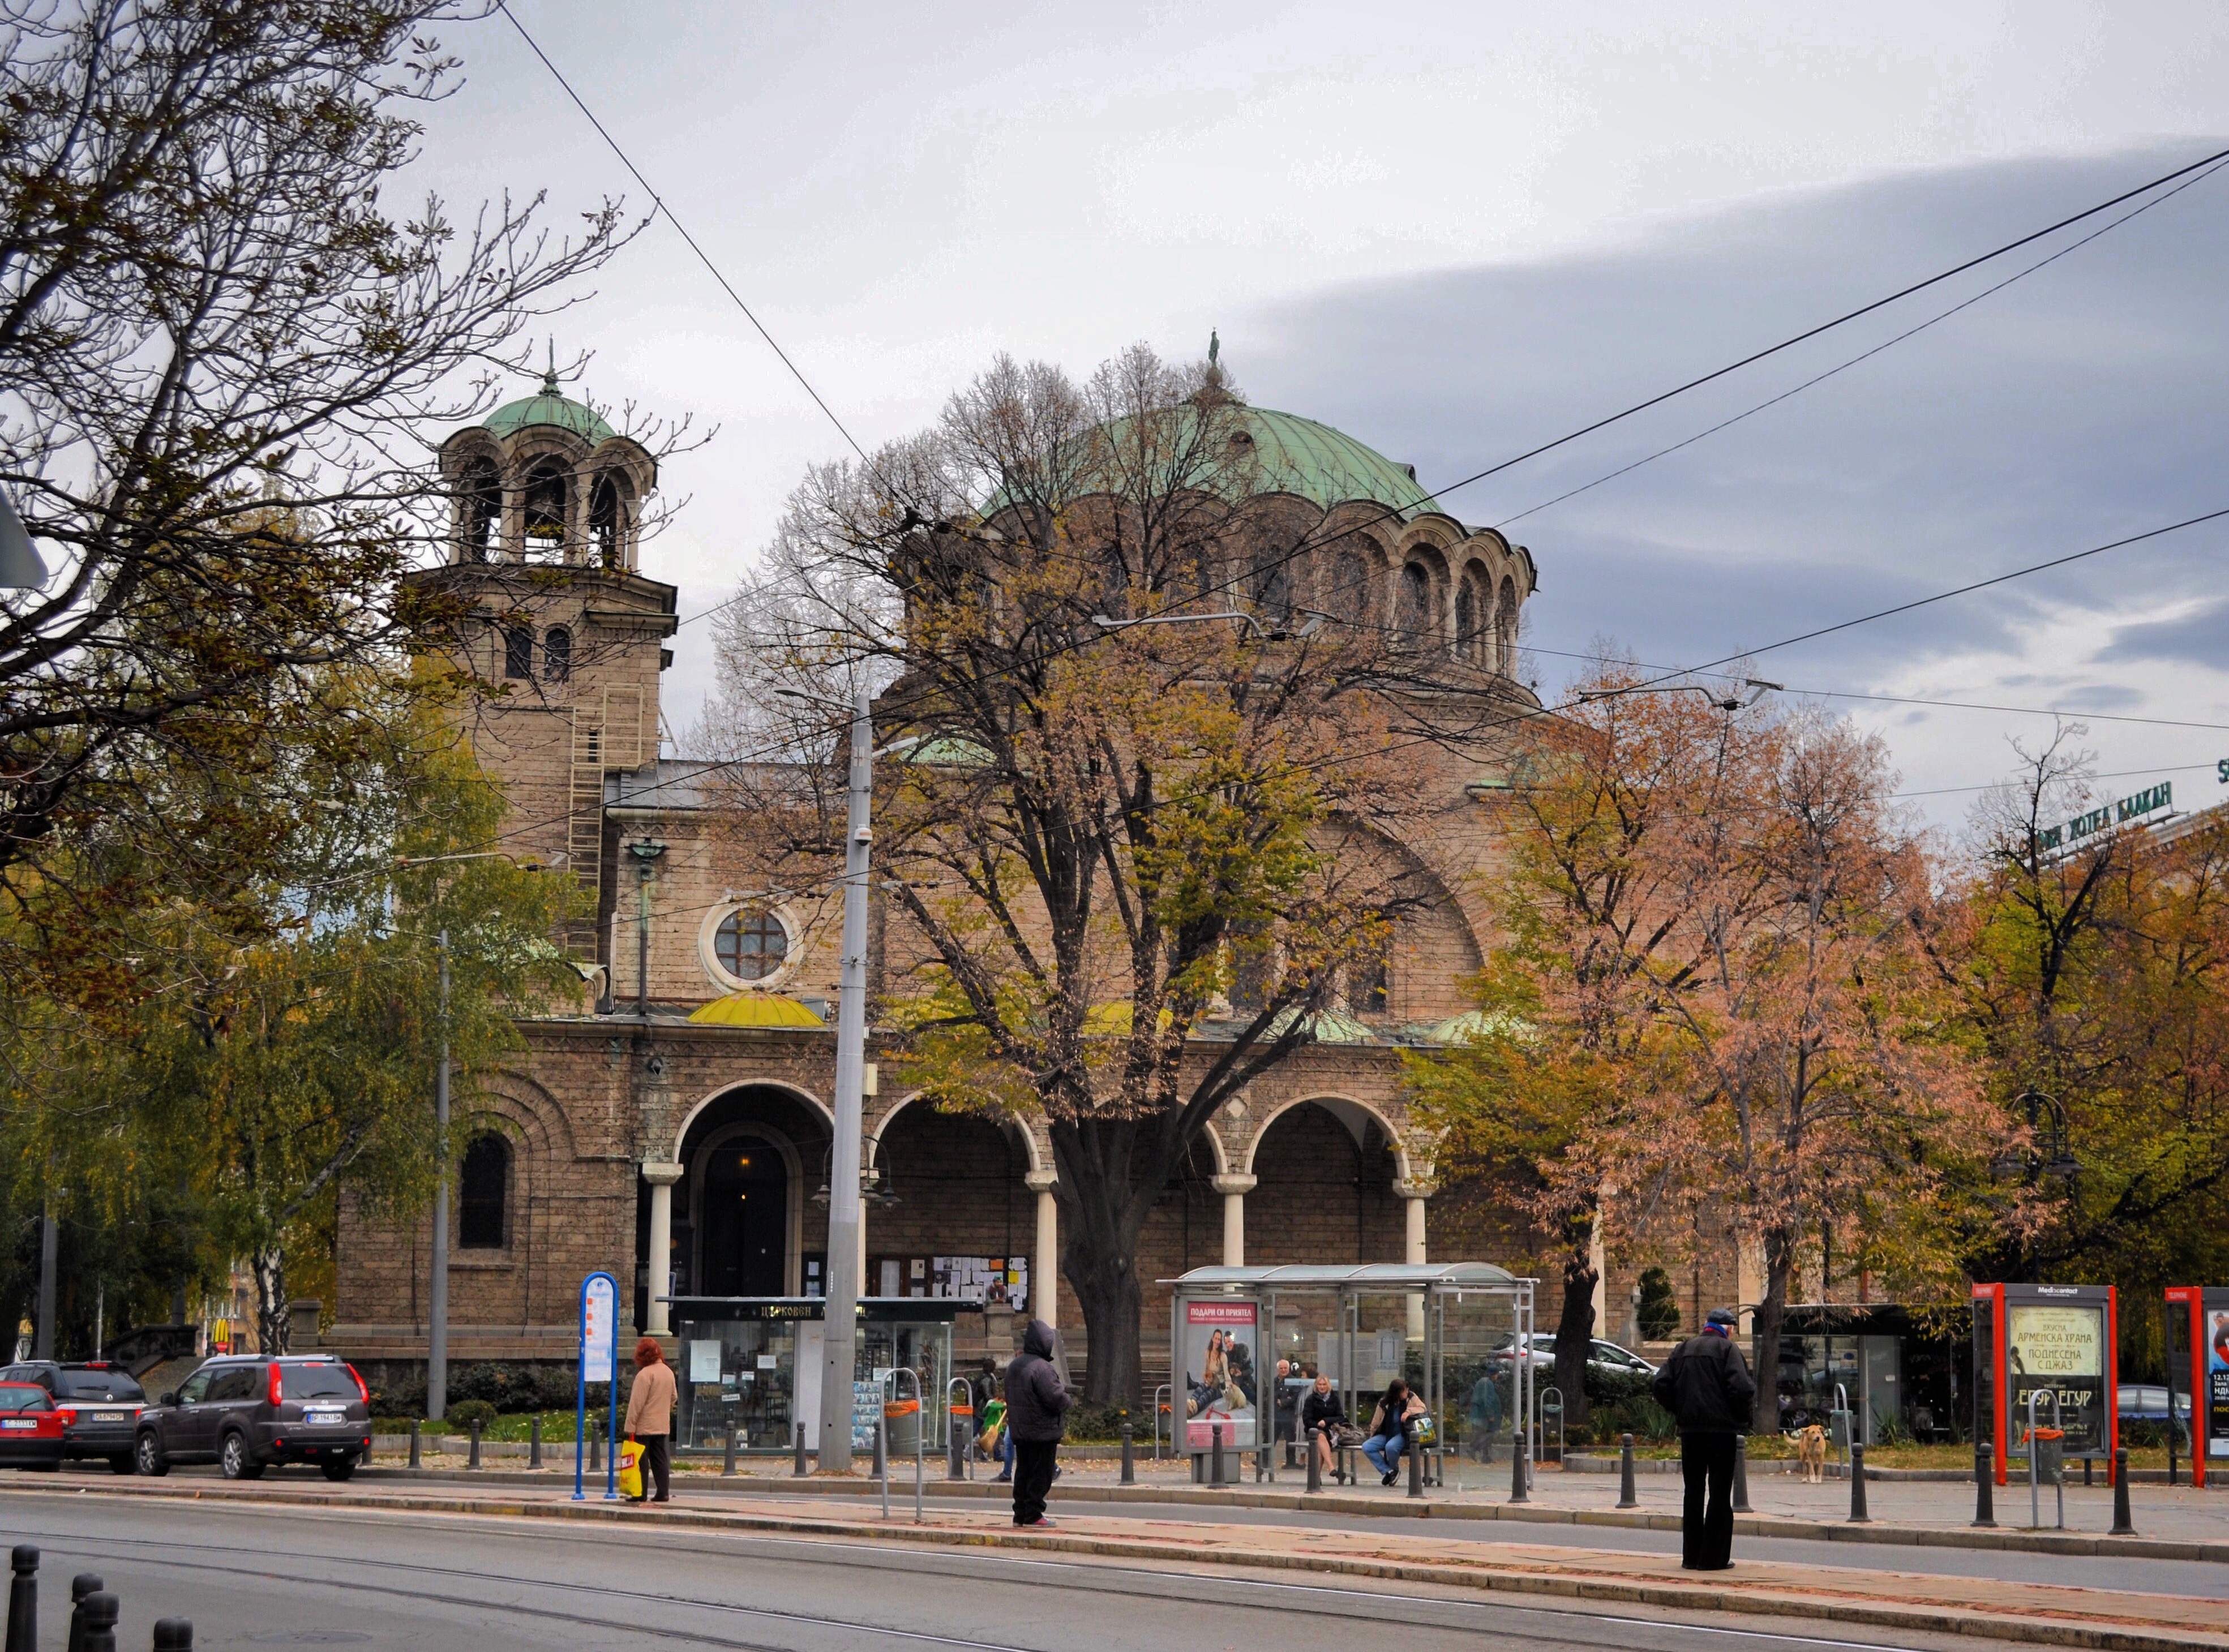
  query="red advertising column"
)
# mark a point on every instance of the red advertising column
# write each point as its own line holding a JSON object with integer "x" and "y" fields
{"x": 2187, "y": 1303}
{"x": 2054, "y": 1340}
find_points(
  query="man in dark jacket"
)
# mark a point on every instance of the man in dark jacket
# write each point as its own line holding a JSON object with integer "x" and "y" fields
{"x": 1035, "y": 1403}
{"x": 1706, "y": 1385}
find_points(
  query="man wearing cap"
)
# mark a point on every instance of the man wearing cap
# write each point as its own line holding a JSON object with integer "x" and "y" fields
{"x": 1706, "y": 1385}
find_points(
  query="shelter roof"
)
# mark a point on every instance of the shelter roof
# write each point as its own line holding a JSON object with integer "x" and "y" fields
{"x": 1389, "y": 1275}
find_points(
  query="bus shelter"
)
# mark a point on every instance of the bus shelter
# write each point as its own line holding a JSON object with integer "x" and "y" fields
{"x": 2059, "y": 1343}
{"x": 1458, "y": 1332}
{"x": 739, "y": 1357}
{"x": 2197, "y": 1320}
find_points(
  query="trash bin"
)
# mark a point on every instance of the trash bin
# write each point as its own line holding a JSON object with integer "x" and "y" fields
{"x": 2048, "y": 1447}
{"x": 902, "y": 1427}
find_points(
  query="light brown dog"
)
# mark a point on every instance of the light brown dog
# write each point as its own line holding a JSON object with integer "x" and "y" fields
{"x": 1811, "y": 1453}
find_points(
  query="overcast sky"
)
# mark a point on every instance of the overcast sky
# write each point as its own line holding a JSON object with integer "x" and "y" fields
{"x": 1455, "y": 232}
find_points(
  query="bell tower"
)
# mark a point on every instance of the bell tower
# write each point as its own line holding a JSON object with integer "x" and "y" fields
{"x": 540, "y": 604}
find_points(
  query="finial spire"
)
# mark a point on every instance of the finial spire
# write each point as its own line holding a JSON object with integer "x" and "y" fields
{"x": 549, "y": 378}
{"x": 1214, "y": 347}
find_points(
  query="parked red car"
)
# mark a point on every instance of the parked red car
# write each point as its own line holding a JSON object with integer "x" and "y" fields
{"x": 31, "y": 1427}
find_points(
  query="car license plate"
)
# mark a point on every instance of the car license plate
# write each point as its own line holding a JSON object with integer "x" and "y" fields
{"x": 323, "y": 1415}
{"x": 18, "y": 1422}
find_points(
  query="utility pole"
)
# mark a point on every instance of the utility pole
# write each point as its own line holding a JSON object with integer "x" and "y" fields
{"x": 839, "y": 1323}
{"x": 437, "y": 1295}
{"x": 43, "y": 1344}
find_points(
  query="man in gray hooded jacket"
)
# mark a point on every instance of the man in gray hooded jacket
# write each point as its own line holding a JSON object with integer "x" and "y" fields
{"x": 1035, "y": 1401}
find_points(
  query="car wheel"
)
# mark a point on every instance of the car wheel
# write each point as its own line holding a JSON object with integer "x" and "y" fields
{"x": 233, "y": 1461}
{"x": 147, "y": 1454}
{"x": 121, "y": 1463}
{"x": 339, "y": 1468}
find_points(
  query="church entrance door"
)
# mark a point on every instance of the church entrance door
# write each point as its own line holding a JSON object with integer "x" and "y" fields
{"x": 744, "y": 1224}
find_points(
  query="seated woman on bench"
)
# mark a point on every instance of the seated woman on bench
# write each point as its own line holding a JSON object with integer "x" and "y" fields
{"x": 1389, "y": 1429}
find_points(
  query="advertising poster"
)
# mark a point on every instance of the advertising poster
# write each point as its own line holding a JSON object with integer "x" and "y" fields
{"x": 2062, "y": 1351}
{"x": 1223, "y": 1378}
{"x": 2217, "y": 1382}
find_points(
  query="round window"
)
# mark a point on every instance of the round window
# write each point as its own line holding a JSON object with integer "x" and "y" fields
{"x": 750, "y": 944}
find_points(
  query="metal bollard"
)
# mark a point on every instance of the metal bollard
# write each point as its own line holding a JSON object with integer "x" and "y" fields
{"x": 2124, "y": 1524}
{"x": 596, "y": 1450}
{"x": 1741, "y": 1475}
{"x": 1129, "y": 1455}
{"x": 956, "y": 1449}
{"x": 1627, "y": 1496}
{"x": 1291, "y": 1461}
{"x": 2087, "y": 1462}
{"x": 473, "y": 1460}
{"x": 1858, "y": 1515}
{"x": 1315, "y": 1458}
{"x": 534, "y": 1441}
{"x": 803, "y": 1466}
{"x": 23, "y": 1599}
{"x": 728, "y": 1463}
{"x": 1985, "y": 1511}
{"x": 1518, "y": 1493}
{"x": 1414, "y": 1449}
{"x": 883, "y": 1462}
{"x": 82, "y": 1585}
{"x": 1215, "y": 1455}
{"x": 174, "y": 1634}
{"x": 416, "y": 1460}
{"x": 101, "y": 1611}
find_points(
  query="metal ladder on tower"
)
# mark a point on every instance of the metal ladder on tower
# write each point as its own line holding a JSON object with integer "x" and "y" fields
{"x": 606, "y": 734}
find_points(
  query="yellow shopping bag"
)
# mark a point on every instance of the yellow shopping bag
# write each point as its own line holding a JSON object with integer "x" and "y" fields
{"x": 630, "y": 1467}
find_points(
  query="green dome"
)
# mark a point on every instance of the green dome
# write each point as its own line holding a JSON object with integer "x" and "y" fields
{"x": 549, "y": 408}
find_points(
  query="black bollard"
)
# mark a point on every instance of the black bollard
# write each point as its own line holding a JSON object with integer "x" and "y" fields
{"x": 1415, "y": 1448}
{"x": 1215, "y": 1462}
{"x": 1985, "y": 1511}
{"x": 728, "y": 1463}
{"x": 23, "y": 1599}
{"x": 82, "y": 1585}
{"x": 956, "y": 1449}
{"x": 596, "y": 1450}
{"x": 473, "y": 1460}
{"x": 534, "y": 1441}
{"x": 415, "y": 1459}
{"x": 1627, "y": 1496}
{"x": 1518, "y": 1491}
{"x": 1858, "y": 1515}
{"x": 174, "y": 1634}
{"x": 2124, "y": 1524}
{"x": 1315, "y": 1459}
{"x": 101, "y": 1611}
{"x": 1129, "y": 1455}
{"x": 803, "y": 1466}
{"x": 1741, "y": 1475}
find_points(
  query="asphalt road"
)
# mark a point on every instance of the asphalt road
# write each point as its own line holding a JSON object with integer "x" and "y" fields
{"x": 263, "y": 1578}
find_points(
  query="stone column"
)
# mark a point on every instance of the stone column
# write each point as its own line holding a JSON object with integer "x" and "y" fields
{"x": 1045, "y": 1260}
{"x": 661, "y": 1179}
{"x": 1414, "y": 1191}
{"x": 1234, "y": 1190}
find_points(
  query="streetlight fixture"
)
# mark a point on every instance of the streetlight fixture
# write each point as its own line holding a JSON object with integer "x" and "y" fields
{"x": 1268, "y": 633}
{"x": 1759, "y": 688}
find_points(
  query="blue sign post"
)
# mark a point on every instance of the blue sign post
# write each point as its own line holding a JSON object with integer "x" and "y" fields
{"x": 599, "y": 1303}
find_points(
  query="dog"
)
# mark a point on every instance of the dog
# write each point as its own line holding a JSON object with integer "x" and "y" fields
{"x": 1811, "y": 1453}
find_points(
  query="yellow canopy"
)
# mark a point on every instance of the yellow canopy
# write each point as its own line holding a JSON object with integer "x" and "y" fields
{"x": 755, "y": 1009}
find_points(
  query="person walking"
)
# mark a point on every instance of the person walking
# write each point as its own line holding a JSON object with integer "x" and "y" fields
{"x": 1389, "y": 1429}
{"x": 1706, "y": 1386}
{"x": 1036, "y": 1402}
{"x": 649, "y": 1418}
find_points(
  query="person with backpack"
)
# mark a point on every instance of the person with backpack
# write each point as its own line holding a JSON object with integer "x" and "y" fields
{"x": 1706, "y": 1386}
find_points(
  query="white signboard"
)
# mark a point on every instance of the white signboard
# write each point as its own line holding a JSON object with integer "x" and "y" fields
{"x": 599, "y": 1328}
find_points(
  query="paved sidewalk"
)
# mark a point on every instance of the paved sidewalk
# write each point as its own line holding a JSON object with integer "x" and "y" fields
{"x": 2043, "y": 1614}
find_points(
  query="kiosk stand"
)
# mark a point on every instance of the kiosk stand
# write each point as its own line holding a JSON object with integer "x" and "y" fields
{"x": 2197, "y": 1316}
{"x": 2057, "y": 1339}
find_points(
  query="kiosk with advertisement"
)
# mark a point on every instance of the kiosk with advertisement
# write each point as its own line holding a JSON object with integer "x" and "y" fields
{"x": 2054, "y": 1340}
{"x": 2198, "y": 1318}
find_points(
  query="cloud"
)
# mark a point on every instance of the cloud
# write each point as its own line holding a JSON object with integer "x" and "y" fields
{"x": 2200, "y": 637}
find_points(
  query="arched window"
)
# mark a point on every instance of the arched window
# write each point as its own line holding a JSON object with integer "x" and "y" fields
{"x": 606, "y": 521}
{"x": 1415, "y": 615}
{"x": 519, "y": 653}
{"x": 1370, "y": 986}
{"x": 1271, "y": 587}
{"x": 557, "y": 654}
{"x": 1473, "y": 618}
{"x": 548, "y": 503}
{"x": 1505, "y": 628}
{"x": 483, "y": 1193}
{"x": 750, "y": 944}
{"x": 1349, "y": 596}
{"x": 479, "y": 513}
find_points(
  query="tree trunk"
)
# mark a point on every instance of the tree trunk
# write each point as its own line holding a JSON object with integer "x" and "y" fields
{"x": 1108, "y": 1184}
{"x": 271, "y": 1326}
{"x": 1575, "y": 1331}
{"x": 1771, "y": 1313}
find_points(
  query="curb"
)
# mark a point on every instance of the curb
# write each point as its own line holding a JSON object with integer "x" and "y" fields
{"x": 2101, "y": 1635}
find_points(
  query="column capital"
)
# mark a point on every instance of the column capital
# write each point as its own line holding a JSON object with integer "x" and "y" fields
{"x": 1416, "y": 1187}
{"x": 661, "y": 1175}
{"x": 1233, "y": 1184}
{"x": 1041, "y": 1181}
